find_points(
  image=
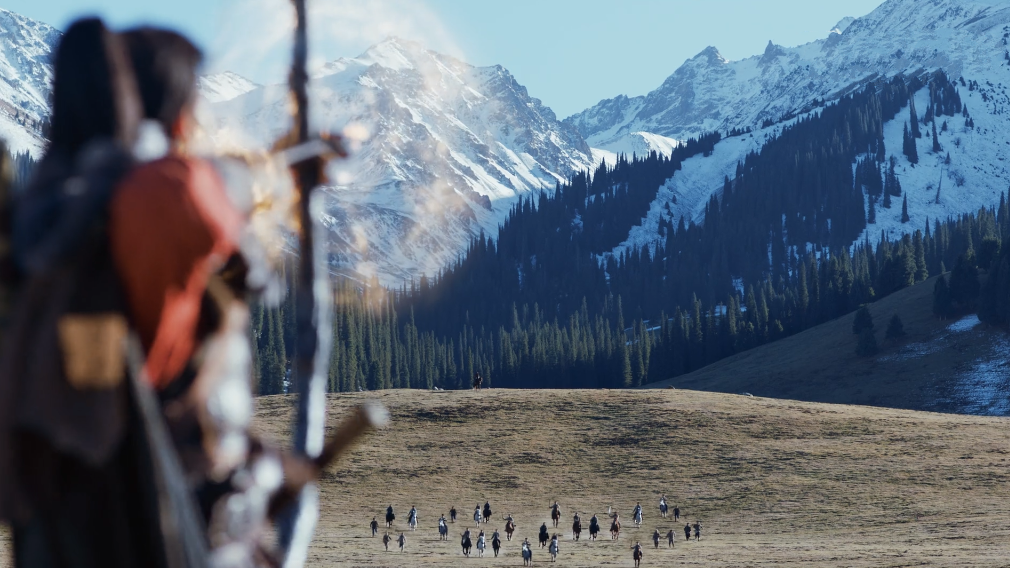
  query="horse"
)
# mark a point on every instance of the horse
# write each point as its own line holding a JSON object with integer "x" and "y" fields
{"x": 481, "y": 544}
{"x": 412, "y": 519}
{"x": 556, "y": 514}
{"x": 477, "y": 381}
{"x": 554, "y": 548}
{"x": 495, "y": 543}
{"x": 527, "y": 554}
{"x": 487, "y": 512}
{"x": 637, "y": 515}
{"x": 443, "y": 529}
{"x": 638, "y": 554}
{"x": 510, "y": 527}
{"x": 466, "y": 543}
{"x": 477, "y": 518}
{"x": 663, "y": 507}
{"x": 544, "y": 537}
{"x": 576, "y": 527}
{"x": 594, "y": 527}
{"x": 390, "y": 517}
{"x": 615, "y": 527}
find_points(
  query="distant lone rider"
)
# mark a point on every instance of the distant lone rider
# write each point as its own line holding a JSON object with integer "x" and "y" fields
{"x": 477, "y": 381}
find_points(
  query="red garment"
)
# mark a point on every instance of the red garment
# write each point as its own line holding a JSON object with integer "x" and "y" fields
{"x": 171, "y": 227}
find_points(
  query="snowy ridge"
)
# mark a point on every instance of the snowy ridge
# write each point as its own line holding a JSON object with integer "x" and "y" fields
{"x": 224, "y": 86}
{"x": 26, "y": 66}
{"x": 709, "y": 93}
{"x": 450, "y": 148}
{"x": 964, "y": 38}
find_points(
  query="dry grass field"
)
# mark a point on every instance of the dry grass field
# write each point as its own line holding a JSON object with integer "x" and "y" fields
{"x": 775, "y": 483}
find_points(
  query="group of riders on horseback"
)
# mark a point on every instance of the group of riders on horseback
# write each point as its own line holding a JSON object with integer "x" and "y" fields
{"x": 545, "y": 538}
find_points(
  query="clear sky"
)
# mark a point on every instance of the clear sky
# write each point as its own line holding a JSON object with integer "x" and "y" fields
{"x": 569, "y": 53}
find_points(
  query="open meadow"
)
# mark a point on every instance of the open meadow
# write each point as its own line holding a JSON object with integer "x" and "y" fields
{"x": 774, "y": 482}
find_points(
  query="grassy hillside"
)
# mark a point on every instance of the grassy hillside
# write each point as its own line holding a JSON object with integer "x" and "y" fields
{"x": 820, "y": 364}
{"x": 774, "y": 482}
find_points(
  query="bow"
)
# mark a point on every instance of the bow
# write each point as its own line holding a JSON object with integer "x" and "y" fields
{"x": 312, "y": 313}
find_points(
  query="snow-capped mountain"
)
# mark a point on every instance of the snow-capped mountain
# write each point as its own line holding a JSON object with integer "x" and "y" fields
{"x": 709, "y": 93}
{"x": 449, "y": 149}
{"x": 26, "y": 69}
{"x": 224, "y": 86}
{"x": 967, "y": 39}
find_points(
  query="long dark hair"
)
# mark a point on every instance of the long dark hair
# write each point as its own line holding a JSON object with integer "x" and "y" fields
{"x": 94, "y": 92}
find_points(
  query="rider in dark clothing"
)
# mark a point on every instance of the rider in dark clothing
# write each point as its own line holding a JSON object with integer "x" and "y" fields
{"x": 390, "y": 517}
{"x": 487, "y": 509}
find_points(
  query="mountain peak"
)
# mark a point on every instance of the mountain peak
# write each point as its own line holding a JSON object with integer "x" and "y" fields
{"x": 394, "y": 53}
{"x": 711, "y": 56}
{"x": 842, "y": 25}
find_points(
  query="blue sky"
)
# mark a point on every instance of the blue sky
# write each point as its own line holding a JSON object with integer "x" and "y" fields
{"x": 569, "y": 53}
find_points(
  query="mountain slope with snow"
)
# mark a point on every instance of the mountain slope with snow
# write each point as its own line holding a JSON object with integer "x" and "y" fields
{"x": 709, "y": 93}
{"x": 449, "y": 149}
{"x": 26, "y": 67}
{"x": 224, "y": 86}
{"x": 967, "y": 39}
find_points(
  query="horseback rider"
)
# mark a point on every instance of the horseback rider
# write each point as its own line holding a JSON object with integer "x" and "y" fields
{"x": 390, "y": 517}
{"x": 476, "y": 514}
{"x": 637, "y": 553}
{"x": 544, "y": 535}
{"x": 663, "y": 507}
{"x": 487, "y": 511}
{"x": 594, "y": 526}
{"x": 412, "y": 517}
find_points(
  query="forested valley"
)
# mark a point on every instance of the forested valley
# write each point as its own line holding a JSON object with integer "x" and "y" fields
{"x": 547, "y": 304}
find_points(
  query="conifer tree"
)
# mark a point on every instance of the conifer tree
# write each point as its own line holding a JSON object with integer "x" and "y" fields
{"x": 913, "y": 118}
{"x": 942, "y": 305}
{"x": 904, "y": 210}
{"x": 863, "y": 320}
{"x": 871, "y": 212}
{"x": 887, "y": 200}
{"x": 895, "y": 329}
{"x": 936, "y": 141}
